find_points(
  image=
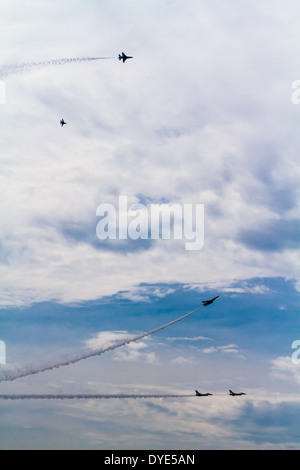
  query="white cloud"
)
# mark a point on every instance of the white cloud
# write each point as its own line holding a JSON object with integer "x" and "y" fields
{"x": 134, "y": 352}
{"x": 230, "y": 348}
{"x": 283, "y": 368}
{"x": 248, "y": 289}
{"x": 130, "y": 353}
{"x": 188, "y": 338}
{"x": 180, "y": 122}
{"x": 180, "y": 360}
{"x": 145, "y": 293}
{"x": 107, "y": 338}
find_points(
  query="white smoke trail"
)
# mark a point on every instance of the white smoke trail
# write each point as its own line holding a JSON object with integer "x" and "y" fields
{"x": 8, "y": 70}
{"x": 88, "y": 397}
{"x": 75, "y": 357}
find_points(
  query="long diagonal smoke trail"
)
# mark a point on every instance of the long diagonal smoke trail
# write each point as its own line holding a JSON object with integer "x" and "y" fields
{"x": 88, "y": 397}
{"x": 80, "y": 355}
{"x": 8, "y": 70}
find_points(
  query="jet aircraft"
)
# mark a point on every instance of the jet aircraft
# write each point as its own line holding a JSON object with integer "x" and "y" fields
{"x": 62, "y": 123}
{"x": 208, "y": 302}
{"x": 198, "y": 394}
{"x": 232, "y": 394}
{"x": 124, "y": 57}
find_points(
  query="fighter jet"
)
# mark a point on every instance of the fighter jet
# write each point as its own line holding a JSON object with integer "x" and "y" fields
{"x": 124, "y": 57}
{"x": 232, "y": 394}
{"x": 198, "y": 394}
{"x": 62, "y": 123}
{"x": 208, "y": 302}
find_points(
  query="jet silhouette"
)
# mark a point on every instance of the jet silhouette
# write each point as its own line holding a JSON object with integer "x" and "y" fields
{"x": 198, "y": 394}
{"x": 232, "y": 394}
{"x": 208, "y": 302}
{"x": 62, "y": 123}
{"x": 124, "y": 57}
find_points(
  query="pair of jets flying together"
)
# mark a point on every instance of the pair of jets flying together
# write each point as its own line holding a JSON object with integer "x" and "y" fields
{"x": 122, "y": 57}
{"x": 231, "y": 393}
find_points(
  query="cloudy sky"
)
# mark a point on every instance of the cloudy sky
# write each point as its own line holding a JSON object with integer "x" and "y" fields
{"x": 202, "y": 115}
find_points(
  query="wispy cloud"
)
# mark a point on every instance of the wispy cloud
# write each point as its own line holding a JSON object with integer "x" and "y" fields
{"x": 189, "y": 338}
{"x": 181, "y": 123}
{"x": 130, "y": 353}
{"x": 249, "y": 189}
{"x": 282, "y": 368}
{"x": 230, "y": 348}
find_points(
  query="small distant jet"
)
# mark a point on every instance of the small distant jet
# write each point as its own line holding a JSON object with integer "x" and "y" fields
{"x": 124, "y": 57}
{"x": 62, "y": 123}
{"x": 208, "y": 302}
{"x": 198, "y": 394}
{"x": 232, "y": 394}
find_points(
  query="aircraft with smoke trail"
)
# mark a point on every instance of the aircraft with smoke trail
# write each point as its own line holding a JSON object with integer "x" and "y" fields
{"x": 198, "y": 394}
{"x": 124, "y": 57}
{"x": 7, "y": 70}
{"x": 90, "y": 396}
{"x": 208, "y": 302}
{"x": 80, "y": 355}
{"x": 233, "y": 394}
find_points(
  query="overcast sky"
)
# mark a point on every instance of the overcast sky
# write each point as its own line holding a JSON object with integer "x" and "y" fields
{"x": 202, "y": 114}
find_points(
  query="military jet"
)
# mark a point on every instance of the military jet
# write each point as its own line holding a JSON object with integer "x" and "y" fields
{"x": 232, "y": 394}
{"x": 124, "y": 57}
{"x": 198, "y": 394}
{"x": 208, "y": 302}
{"x": 62, "y": 123}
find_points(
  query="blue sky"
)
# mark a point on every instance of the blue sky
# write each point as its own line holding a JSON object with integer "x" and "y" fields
{"x": 242, "y": 342}
{"x": 202, "y": 115}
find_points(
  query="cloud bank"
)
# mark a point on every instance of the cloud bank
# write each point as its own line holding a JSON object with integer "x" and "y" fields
{"x": 216, "y": 123}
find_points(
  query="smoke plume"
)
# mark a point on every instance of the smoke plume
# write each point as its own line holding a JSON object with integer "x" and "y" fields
{"x": 6, "y": 71}
{"x": 80, "y": 355}
{"x": 88, "y": 397}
